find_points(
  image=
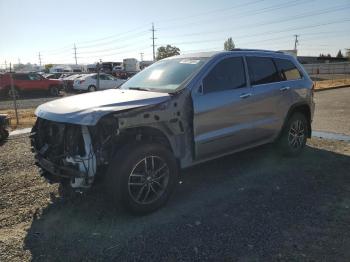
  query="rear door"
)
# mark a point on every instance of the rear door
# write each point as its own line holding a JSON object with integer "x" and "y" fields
{"x": 222, "y": 110}
{"x": 268, "y": 95}
{"x": 104, "y": 82}
{"x": 36, "y": 82}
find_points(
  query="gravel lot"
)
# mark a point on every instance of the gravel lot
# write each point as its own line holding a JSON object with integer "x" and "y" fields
{"x": 274, "y": 209}
{"x": 332, "y": 113}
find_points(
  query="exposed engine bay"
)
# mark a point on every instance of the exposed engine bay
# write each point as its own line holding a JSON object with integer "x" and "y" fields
{"x": 81, "y": 154}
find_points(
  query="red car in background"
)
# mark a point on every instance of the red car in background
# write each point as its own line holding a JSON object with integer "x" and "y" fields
{"x": 24, "y": 82}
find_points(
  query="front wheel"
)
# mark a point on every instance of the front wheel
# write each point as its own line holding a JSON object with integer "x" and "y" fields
{"x": 142, "y": 177}
{"x": 13, "y": 93}
{"x": 294, "y": 135}
{"x": 92, "y": 88}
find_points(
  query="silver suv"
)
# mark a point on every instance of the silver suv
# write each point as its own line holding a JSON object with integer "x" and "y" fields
{"x": 178, "y": 112}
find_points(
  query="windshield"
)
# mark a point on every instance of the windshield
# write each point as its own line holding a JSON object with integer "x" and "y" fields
{"x": 165, "y": 75}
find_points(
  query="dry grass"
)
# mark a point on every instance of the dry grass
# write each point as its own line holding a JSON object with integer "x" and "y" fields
{"x": 26, "y": 117}
{"x": 325, "y": 84}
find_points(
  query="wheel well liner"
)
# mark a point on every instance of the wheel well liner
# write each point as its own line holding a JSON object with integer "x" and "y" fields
{"x": 151, "y": 134}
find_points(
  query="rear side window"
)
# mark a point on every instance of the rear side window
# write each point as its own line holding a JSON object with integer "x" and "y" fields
{"x": 262, "y": 70}
{"x": 20, "y": 77}
{"x": 287, "y": 70}
{"x": 227, "y": 74}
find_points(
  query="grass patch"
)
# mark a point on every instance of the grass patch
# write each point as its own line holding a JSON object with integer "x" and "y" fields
{"x": 26, "y": 117}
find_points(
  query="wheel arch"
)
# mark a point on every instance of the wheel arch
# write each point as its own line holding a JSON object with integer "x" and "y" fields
{"x": 303, "y": 108}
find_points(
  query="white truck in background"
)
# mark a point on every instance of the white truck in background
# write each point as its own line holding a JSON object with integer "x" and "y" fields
{"x": 131, "y": 65}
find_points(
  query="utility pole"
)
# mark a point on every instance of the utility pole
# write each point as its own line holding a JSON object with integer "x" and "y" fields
{"x": 296, "y": 42}
{"x": 153, "y": 38}
{"x": 75, "y": 54}
{"x": 39, "y": 59}
{"x": 5, "y": 65}
{"x": 141, "y": 54}
{"x": 14, "y": 94}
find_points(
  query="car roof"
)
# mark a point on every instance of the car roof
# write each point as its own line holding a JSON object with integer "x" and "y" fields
{"x": 236, "y": 51}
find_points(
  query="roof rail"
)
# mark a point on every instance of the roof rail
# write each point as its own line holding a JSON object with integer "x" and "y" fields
{"x": 255, "y": 50}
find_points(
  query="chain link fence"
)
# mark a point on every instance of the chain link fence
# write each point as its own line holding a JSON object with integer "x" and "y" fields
{"x": 328, "y": 75}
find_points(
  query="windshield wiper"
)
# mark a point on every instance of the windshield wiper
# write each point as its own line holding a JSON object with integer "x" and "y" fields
{"x": 140, "y": 88}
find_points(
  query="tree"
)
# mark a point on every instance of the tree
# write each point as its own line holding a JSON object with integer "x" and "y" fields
{"x": 229, "y": 44}
{"x": 167, "y": 51}
{"x": 340, "y": 55}
{"x": 348, "y": 53}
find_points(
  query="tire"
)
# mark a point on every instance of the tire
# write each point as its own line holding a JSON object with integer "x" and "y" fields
{"x": 14, "y": 92}
{"x": 4, "y": 134}
{"x": 137, "y": 191}
{"x": 92, "y": 88}
{"x": 293, "y": 138}
{"x": 54, "y": 91}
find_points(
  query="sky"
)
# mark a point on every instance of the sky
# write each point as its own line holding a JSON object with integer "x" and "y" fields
{"x": 110, "y": 30}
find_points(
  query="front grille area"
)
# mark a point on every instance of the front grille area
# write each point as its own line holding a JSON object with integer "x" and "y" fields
{"x": 55, "y": 141}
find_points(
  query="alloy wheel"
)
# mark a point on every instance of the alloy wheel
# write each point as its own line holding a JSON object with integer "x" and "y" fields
{"x": 296, "y": 135}
{"x": 148, "y": 180}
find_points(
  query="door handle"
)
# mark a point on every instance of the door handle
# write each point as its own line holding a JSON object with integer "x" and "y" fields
{"x": 285, "y": 88}
{"x": 245, "y": 95}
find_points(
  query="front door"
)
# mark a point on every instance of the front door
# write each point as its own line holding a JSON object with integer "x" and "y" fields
{"x": 223, "y": 109}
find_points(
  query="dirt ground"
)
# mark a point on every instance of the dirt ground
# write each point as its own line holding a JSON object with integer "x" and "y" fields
{"x": 251, "y": 206}
{"x": 26, "y": 117}
{"x": 326, "y": 84}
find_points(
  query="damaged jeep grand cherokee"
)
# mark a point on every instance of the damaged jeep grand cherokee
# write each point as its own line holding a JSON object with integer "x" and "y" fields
{"x": 176, "y": 113}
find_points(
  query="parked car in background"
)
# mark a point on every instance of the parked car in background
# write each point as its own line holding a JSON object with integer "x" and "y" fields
{"x": 89, "y": 82}
{"x": 25, "y": 82}
{"x": 176, "y": 113}
{"x": 69, "y": 81}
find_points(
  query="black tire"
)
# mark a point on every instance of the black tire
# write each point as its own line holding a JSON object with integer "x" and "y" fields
{"x": 92, "y": 88}
{"x": 124, "y": 185}
{"x": 293, "y": 138}
{"x": 4, "y": 134}
{"x": 54, "y": 91}
{"x": 14, "y": 92}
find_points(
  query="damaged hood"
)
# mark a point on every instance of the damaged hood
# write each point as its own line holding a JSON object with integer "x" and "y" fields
{"x": 87, "y": 109}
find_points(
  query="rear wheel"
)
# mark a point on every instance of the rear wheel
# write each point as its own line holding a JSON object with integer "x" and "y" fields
{"x": 142, "y": 177}
{"x": 54, "y": 91}
{"x": 3, "y": 134}
{"x": 92, "y": 88}
{"x": 294, "y": 135}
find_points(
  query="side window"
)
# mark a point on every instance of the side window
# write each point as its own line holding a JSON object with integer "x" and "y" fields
{"x": 227, "y": 74}
{"x": 21, "y": 77}
{"x": 103, "y": 77}
{"x": 262, "y": 70}
{"x": 287, "y": 70}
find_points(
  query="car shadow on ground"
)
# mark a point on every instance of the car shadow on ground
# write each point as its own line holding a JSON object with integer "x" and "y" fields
{"x": 253, "y": 205}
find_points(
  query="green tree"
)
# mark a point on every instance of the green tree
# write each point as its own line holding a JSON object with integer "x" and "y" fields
{"x": 48, "y": 66}
{"x": 340, "y": 54}
{"x": 229, "y": 44}
{"x": 167, "y": 51}
{"x": 348, "y": 53}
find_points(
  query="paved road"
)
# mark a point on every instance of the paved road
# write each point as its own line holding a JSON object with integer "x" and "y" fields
{"x": 332, "y": 113}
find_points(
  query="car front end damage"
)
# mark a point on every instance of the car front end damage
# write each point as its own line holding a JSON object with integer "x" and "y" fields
{"x": 81, "y": 153}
